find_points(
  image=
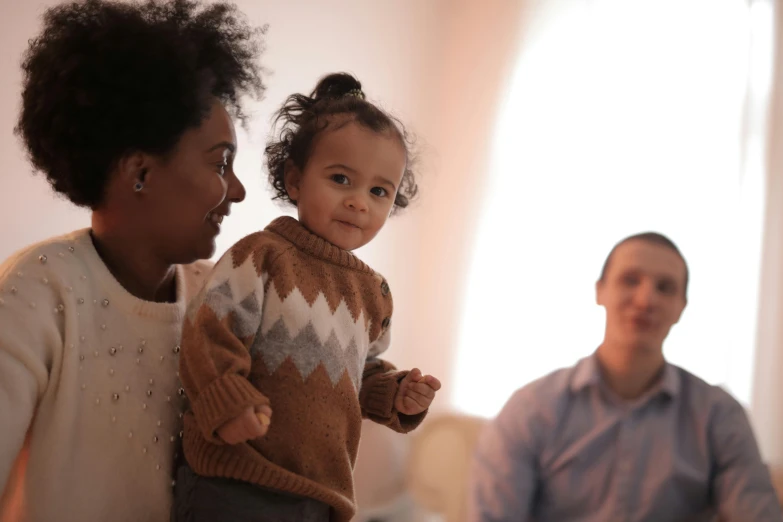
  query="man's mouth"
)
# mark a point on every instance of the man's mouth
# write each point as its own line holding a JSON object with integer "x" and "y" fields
{"x": 641, "y": 323}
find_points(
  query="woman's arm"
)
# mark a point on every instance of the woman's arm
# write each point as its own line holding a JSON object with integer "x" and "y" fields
{"x": 30, "y": 336}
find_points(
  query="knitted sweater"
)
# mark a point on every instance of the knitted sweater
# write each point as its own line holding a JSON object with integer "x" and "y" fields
{"x": 288, "y": 319}
{"x": 89, "y": 402}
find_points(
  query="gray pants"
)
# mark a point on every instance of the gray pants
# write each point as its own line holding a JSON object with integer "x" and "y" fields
{"x": 212, "y": 499}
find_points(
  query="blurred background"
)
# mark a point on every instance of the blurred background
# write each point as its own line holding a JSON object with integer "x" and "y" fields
{"x": 547, "y": 130}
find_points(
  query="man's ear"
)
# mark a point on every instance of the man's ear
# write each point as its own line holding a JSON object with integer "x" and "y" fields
{"x": 682, "y": 309}
{"x": 599, "y": 294}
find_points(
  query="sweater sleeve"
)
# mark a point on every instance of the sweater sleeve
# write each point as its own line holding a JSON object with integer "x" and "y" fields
{"x": 380, "y": 383}
{"x": 217, "y": 339}
{"x": 29, "y": 339}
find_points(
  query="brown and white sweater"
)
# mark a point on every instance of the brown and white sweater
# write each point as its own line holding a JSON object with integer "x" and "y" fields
{"x": 290, "y": 320}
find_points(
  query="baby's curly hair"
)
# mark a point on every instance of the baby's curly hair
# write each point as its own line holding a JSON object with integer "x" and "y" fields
{"x": 106, "y": 78}
{"x": 304, "y": 117}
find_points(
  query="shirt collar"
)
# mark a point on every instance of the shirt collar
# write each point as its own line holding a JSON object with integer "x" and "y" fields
{"x": 587, "y": 374}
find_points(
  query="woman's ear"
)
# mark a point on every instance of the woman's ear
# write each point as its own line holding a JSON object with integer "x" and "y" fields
{"x": 133, "y": 168}
{"x": 133, "y": 172}
{"x": 292, "y": 178}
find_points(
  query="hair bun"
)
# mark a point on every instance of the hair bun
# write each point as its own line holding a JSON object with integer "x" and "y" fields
{"x": 337, "y": 85}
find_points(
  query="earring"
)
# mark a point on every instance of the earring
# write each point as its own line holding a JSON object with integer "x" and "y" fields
{"x": 140, "y": 182}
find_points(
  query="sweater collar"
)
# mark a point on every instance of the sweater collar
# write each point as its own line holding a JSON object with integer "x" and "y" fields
{"x": 116, "y": 295}
{"x": 296, "y": 233}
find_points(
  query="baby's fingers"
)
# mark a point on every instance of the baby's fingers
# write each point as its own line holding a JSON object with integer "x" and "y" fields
{"x": 430, "y": 381}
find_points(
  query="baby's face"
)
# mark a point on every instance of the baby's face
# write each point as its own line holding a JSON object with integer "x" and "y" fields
{"x": 347, "y": 189}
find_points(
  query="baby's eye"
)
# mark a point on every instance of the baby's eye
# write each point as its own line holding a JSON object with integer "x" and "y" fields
{"x": 379, "y": 191}
{"x": 341, "y": 179}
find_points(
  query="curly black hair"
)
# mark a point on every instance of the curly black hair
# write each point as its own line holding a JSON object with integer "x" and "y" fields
{"x": 106, "y": 78}
{"x": 304, "y": 117}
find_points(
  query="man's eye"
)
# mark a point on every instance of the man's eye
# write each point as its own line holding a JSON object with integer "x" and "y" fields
{"x": 630, "y": 280}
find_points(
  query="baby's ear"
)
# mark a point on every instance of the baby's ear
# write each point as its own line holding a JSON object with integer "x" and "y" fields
{"x": 292, "y": 177}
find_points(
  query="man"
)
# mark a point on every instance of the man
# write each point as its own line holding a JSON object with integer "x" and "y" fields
{"x": 623, "y": 435}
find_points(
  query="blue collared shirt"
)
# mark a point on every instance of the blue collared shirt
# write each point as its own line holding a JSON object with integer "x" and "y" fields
{"x": 566, "y": 449}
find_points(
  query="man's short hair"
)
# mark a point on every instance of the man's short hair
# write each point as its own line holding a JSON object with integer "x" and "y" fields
{"x": 653, "y": 238}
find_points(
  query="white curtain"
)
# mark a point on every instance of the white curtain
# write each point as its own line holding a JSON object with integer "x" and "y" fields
{"x": 623, "y": 116}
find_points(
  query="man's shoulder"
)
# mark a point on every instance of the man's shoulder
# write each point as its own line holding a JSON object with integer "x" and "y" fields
{"x": 545, "y": 394}
{"x": 701, "y": 394}
{"x": 555, "y": 383}
{"x": 711, "y": 405}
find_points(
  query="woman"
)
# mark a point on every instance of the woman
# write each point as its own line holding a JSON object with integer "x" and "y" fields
{"x": 127, "y": 111}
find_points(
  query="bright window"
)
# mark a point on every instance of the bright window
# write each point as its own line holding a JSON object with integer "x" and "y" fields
{"x": 622, "y": 116}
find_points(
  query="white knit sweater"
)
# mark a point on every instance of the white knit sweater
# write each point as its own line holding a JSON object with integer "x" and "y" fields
{"x": 90, "y": 400}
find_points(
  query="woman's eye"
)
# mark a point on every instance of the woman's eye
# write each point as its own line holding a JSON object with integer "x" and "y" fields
{"x": 341, "y": 179}
{"x": 379, "y": 191}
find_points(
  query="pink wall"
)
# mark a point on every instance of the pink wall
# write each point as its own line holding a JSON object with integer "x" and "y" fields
{"x": 392, "y": 46}
{"x": 767, "y": 408}
{"x": 477, "y": 57}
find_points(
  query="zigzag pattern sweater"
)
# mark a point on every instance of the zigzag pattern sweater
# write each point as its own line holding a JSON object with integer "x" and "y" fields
{"x": 288, "y": 319}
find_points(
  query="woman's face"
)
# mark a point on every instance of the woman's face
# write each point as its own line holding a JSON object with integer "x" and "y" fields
{"x": 190, "y": 190}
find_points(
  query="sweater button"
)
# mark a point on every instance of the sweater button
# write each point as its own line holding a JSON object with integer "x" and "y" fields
{"x": 386, "y": 322}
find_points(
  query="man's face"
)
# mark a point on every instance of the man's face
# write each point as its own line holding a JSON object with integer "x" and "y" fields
{"x": 643, "y": 292}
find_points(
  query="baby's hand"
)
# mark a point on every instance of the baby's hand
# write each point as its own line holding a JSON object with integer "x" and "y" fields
{"x": 251, "y": 424}
{"x": 416, "y": 393}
